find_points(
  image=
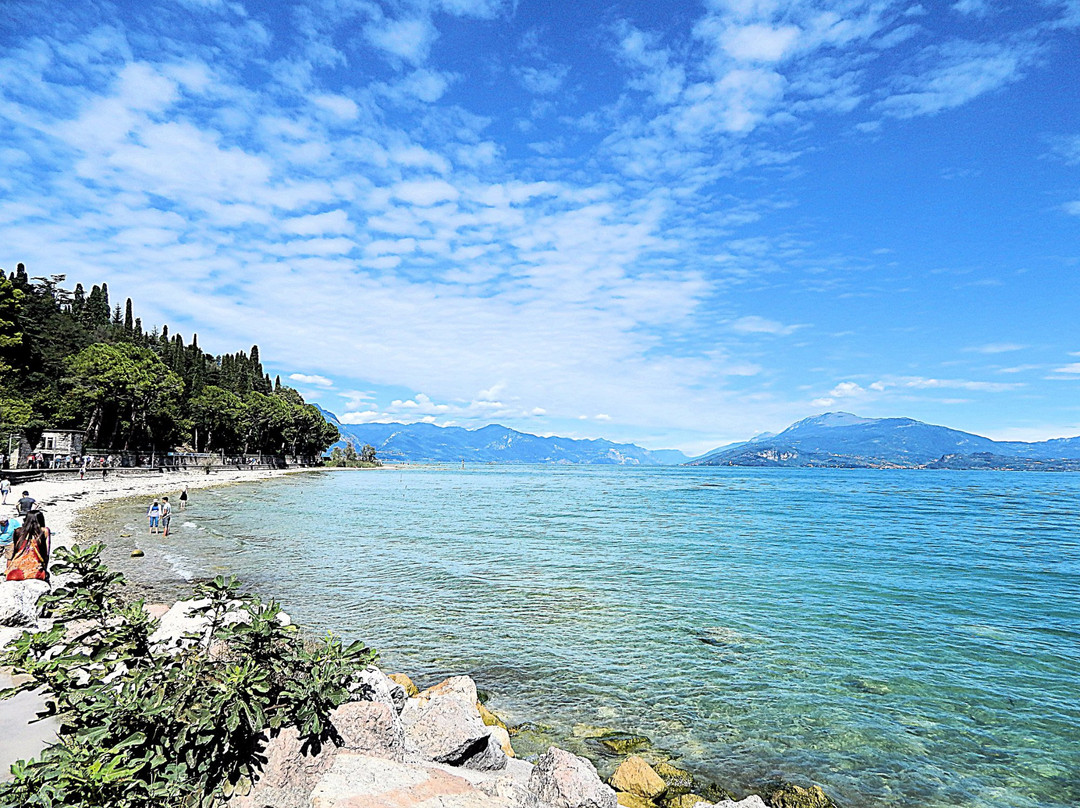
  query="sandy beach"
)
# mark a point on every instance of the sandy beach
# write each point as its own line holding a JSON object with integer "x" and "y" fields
{"x": 61, "y": 500}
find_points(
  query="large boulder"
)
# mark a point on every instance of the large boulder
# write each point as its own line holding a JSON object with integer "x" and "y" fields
{"x": 289, "y": 775}
{"x": 370, "y": 728}
{"x": 628, "y": 800}
{"x": 359, "y": 781}
{"x": 371, "y": 684}
{"x": 442, "y": 724}
{"x": 19, "y": 602}
{"x": 293, "y": 767}
{"x": 636, "y": 776}
{"x": 565, "y": 780}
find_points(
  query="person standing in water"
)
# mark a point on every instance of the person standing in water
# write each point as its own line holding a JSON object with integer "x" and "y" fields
{"x": 183, "y": 498}
{"x": 153, "y": 513}
{"x": 166, "y": 515}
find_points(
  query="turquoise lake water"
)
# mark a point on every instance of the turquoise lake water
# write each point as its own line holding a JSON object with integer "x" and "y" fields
{"x": 898, "y": 637}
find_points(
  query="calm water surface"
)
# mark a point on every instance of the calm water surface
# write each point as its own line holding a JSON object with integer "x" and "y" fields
{"x": 895, "y": 636}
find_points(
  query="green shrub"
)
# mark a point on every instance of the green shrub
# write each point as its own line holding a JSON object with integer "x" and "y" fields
{"x": 141, "y": 726}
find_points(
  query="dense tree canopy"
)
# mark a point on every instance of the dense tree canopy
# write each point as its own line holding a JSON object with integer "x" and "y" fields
{"x": 71, "y": 359}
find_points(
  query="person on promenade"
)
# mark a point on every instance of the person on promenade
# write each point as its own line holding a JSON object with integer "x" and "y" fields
{"x": 8, "y": 526}
{"x": 166, "y": 515}
{"x": 183, "y": 498}
{"x": 30, "y": 553}
{"x": 5, "y": 489}
{"x": 26, "y": 504}
{"x": 153, "y": 513}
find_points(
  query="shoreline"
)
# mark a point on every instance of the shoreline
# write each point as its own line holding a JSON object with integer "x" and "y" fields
{"x": 64, "y": 502}
{"x": 68, "y": 502}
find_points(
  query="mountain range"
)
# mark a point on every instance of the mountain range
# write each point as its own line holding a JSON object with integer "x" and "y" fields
{"x": 840, "y": 439}
{"x": 833, "y": 439}
{"x": 492, "y": 444}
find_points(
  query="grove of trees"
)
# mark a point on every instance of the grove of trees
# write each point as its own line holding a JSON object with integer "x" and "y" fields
{"x": 68, "y": 360}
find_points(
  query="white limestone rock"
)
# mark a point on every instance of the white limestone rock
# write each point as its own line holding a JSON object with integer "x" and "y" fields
{"x": 19, "y": 602}
{"x": 371, "y": 684}
{"x": 565, "y": 780}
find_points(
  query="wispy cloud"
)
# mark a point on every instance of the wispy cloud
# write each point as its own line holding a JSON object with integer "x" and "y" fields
{"x": 311, "y": 378}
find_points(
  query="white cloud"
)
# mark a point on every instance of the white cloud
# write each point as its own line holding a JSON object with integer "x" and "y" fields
{"x": 997, "y": 348}
{"x": 306, "y": 378}
{"x": 759, "y": 43}
{"x": 760, "y": 325}
{"x": 1069, "y": 369}
{"x": 956, "y": 74}
{"x": 975, "y": 8}
{"x": 542, "y": 80}
{"x": 1073, "y": 208}
{"x": 409, "y": 39}
{"x": 319, "y": 224}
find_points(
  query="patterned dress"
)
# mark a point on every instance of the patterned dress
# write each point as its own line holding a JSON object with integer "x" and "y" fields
{"x": 30, "y": 558}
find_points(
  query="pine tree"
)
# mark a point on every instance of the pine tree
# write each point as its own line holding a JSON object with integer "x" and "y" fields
{"x": 118, "y": 317}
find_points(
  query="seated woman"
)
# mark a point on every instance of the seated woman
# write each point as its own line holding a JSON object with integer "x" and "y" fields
{"x": 30, "y": 555}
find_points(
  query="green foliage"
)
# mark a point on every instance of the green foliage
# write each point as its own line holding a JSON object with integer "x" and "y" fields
{"x": 143, "y": 725}
{"x": 69, "y": 360}
{"x": 132, "y": 397}
{"x": 348, "y": 457}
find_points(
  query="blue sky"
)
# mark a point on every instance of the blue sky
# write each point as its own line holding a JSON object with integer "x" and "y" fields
{"x": 677, "y": 224}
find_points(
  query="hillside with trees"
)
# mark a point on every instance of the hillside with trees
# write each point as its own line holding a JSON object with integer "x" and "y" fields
{"x": 74, "y": 360}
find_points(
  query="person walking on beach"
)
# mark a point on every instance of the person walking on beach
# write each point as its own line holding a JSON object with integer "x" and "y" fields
{"x": 166, "y": 515}
{"x": 26, "y": 504}
{"x": 5, "y": 489}
{"x": 8, "y": 526}
{"x": 30, "y": 551}
{"x": 183, "y": 498}
{"x": 153, "y": 513}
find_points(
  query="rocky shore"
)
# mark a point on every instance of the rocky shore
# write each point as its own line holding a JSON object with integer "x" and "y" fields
{"x": 393, "y": 744}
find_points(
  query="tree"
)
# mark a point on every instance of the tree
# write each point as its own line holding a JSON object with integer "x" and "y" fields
{"x": 129, "y": 398}
{"x": 218, "y": 419}
{"x": 367, "y": 454}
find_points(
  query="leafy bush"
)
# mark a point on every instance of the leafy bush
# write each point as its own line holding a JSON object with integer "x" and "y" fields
{"x": 144, "y": 726}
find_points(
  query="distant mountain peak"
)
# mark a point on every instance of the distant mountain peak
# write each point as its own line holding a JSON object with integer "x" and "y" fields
{"x": 831, "y": 419}
{"x": 846, "y": 440}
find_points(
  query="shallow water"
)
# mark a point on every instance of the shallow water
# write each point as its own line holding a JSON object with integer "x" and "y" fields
{"x": 896, "y": 636}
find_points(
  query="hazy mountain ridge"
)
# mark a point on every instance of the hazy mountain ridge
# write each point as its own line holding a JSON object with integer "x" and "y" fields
{"x": 492, "y": 444}
{"x": 839, "y": 439}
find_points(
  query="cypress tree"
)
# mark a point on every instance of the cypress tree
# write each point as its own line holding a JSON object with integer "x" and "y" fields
{"x": 129, "y": 322}
{"x": 78, "y": 301}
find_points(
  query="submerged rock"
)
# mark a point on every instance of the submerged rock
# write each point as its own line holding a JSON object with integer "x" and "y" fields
{"x": 489, "y": 718}
{"x": 678, "y": 780}
{"x": 565, "y": 780}
{"x": 136, "y": 553}
{"x": 636, "y": 776}
{"x": 623, "y": 743}
{"x": 788, "y": 795}
{"x": 683, "y": 800}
